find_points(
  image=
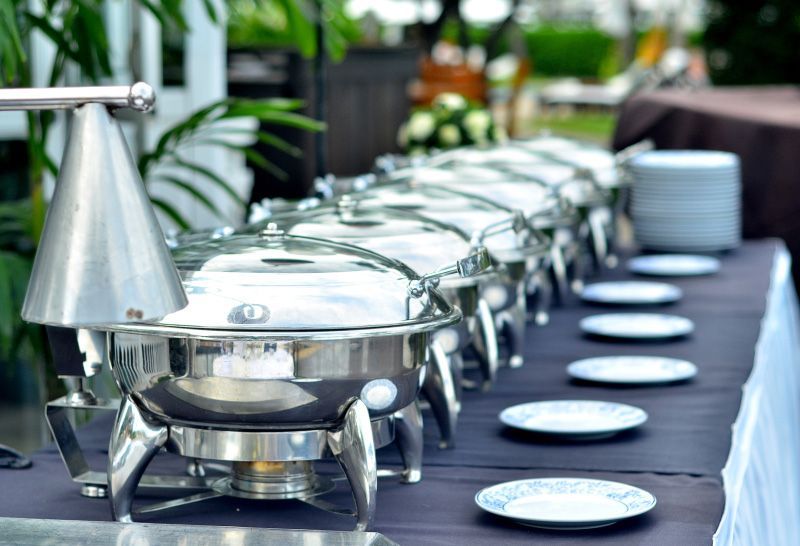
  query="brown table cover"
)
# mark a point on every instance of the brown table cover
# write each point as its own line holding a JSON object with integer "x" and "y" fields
{"x": 760, "y": 124}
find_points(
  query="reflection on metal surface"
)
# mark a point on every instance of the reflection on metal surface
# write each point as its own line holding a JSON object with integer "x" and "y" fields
{"x": 134, "y": 442}
{"x": 408, "y": 434}
{"x": 439, "y": 390}
{"x": 263, "y": 383}
{"x": 247, "y": 284}
{"x": 47, "y": 532}
{"x": 379, "y": 394}
{"x": 354, "y": 449}
{"x": 488, "y": 352}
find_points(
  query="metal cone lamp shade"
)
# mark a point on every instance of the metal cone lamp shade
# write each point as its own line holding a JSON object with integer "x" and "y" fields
{"x": 102, "y": 258}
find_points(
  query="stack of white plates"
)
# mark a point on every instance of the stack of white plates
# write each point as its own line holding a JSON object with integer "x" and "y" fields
{"x": 686, "y": 200}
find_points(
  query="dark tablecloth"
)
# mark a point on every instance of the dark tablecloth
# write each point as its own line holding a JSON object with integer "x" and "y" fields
{"x": 677, "y": 454}
{"x": 760, "y": 124}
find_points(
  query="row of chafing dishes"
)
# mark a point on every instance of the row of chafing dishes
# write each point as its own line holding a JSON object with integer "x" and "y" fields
{"x": 311, "y": 333}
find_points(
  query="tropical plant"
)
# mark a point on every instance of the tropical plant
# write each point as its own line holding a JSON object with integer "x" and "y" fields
{"x": 209, "y": 126}
{"x": 282, "y": 23}
{"x": 76, "y": 30}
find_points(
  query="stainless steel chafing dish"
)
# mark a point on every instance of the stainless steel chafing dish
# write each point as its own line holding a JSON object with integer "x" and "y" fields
{"x": 547, "y": 203}
{"x": 424, "y": 245}
{"x": 520, "y": 253}
{"x": 290, "y": 349}
{"x": 587, "y": 177}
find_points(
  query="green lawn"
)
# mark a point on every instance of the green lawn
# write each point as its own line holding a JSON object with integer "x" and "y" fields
{"x": 594, "y": 126}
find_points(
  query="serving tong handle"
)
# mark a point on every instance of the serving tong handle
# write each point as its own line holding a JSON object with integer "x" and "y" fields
{"x": 139, "y": 96}
{"x": 472, "y": 265}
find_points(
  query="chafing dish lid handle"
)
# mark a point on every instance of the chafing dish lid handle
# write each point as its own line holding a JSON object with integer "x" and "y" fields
{"x": 473, "y": 264}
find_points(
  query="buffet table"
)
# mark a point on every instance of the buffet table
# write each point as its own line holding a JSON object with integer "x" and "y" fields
{"x": 760, "y": 124}
{"x": 698, "y": 433}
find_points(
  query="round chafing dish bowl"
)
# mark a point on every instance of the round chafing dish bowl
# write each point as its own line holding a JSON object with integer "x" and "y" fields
{"x": 281, "y": 332}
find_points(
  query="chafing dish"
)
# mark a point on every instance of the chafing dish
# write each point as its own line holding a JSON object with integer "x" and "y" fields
{"x": 291, "y": 349}
{"x": 547, "y": 201}
{"x": 519, "y": 252}
{"x": 424, "y": 245}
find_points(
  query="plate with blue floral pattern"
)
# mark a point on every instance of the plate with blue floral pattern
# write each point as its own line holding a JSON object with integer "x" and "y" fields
{"x": 573, "y": 419}
{"x": 565, "y": 503}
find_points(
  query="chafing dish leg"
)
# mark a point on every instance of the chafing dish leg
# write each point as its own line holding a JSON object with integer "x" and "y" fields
{"x": 543, "y": 298}
{"x": 597, "y": 229}
{"x": 408, "y": 436}
{"x": 440, "y": 393}
{"x": 134, "y": 442}
{"x": 581, "y": 257}
{"x": 354, "y": 449}
{"x": 488, "y": 358}
{"x": 513, "y": 332}
{"x": 457, "y": 369}
{"x": 558, "y": 267}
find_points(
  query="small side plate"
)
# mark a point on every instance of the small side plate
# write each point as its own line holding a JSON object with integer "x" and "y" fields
{"x": 565, "y": 503}
{"x": 639, "y": 326}
{"x": 632, "y": 370}
{"x": 631, "y": 293}
{"x": 674, "y": 265}
{"x": 573, "y": 419}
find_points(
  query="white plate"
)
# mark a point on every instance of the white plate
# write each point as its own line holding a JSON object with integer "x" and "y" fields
{"x": 674, "y": 265}
{"x": 719, "y": 209}
{"x": 684, "y": 175}
{"x": 573, "y": 419}
{"x": 681, "y": 173}
{"x": 683, "y": 193}
{"x": 637, "y": 325}
{"x": 688, "y": 238}
{"x": 689, "y": 229}
{"x": 632, "y": 370}
{"x": 683, "y": 247}
{"x": 631, "y": 293}
{"x": 698, "y": 199}
{"x": 565, "y": 503}
{"x": 685, "y": 160}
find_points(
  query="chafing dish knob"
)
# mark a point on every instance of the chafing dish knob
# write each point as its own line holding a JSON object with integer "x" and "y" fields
{"x": 346, "y": 202}
{"x": 272, "y": 231}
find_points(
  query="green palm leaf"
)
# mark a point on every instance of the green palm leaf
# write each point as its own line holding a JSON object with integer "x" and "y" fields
{"x": 194, "y": 192}
{"x": 171, "y": 212}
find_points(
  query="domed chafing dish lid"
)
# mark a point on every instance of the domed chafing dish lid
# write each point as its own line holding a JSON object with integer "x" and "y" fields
{"x": 498, "y": 171}
{"x": 469, "y": 213}
{"x": 420, "y": 242}
{"x": 271, "y": 281}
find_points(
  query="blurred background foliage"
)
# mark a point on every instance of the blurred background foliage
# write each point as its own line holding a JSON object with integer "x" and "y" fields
{"x": 753, "y": 43}
{"x": 565, "y": 50}
{"x": 292, "y": 23}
